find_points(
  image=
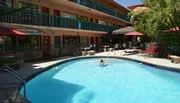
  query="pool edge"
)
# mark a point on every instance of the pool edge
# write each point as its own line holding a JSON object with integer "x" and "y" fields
{"x": 172, "y": 69}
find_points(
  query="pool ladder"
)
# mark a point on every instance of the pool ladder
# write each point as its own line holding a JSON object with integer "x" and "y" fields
{"x": 22, "y": 82}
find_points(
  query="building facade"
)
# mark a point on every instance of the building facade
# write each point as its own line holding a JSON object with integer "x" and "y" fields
{"x": 62, "y": 26}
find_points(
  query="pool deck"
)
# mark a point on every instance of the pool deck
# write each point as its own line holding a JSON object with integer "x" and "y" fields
{"x": 30, "y": 68}
{"x": 141, "y": 57}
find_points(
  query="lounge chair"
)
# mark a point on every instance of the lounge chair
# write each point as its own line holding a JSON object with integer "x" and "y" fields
{"x": 151, "y": 50}
{"x": 129, "y": 51}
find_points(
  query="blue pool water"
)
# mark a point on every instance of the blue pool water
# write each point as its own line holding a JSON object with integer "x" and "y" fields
{"x": 121, "y": 81}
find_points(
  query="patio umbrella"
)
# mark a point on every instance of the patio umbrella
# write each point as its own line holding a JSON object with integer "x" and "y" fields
{"x": 134, "y": 34}
{"x": 172, "y": 29}
{"x": 123, "y": 30}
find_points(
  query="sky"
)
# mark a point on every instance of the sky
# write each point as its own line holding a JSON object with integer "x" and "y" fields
{"x": 126, "y": 3}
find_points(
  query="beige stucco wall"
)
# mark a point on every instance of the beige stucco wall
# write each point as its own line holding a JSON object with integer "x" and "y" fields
{"x": 63, "y": 8}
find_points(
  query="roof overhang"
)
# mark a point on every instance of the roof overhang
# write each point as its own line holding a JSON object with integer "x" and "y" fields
{"x": 49, "y": 30}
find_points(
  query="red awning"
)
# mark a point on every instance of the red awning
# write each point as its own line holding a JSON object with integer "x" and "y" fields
{"x": 134, "y": 34}
{"x": 11, "y": 32}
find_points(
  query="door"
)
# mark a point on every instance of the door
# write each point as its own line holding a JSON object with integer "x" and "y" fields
{"x": 56, "y": 12}
{"x": 57, "y": 44}
{"x": 97, "y": 43}
{"x": 45, "y": 18}
{"x": 46, "y": 46}
{"x": 92, "y": 43}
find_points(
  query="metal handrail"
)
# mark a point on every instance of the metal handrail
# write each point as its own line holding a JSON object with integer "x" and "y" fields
{"x": 16, "y": 75}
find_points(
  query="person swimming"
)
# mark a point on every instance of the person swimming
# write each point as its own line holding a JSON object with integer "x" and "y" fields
{"x": 102, "y": 62}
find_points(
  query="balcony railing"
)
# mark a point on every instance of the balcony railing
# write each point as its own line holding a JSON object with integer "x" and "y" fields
{"x": 41, "y": 19}
{"x": 99, "y": 7}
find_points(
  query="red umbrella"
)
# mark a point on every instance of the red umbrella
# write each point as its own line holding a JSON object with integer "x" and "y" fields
{"x": 134, "y": 34}
{"x": 172, "y": 29}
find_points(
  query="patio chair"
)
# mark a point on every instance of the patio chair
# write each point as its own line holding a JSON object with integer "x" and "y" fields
{"x": 54, "y": 53}
{"x": 151, "y": 50}
{"x": 116, "y": 46}
{"x": 129, "y": 51}
{"x": 78, "y": 52}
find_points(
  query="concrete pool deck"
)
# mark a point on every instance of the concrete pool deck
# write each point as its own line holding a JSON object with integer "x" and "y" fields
{"x": 120, "y": 53}
{"x": 27, "y": 69}
{"x": 151, "y": 60}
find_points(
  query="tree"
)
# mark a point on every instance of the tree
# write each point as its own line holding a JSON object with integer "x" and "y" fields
{"x": 164, "y": 14}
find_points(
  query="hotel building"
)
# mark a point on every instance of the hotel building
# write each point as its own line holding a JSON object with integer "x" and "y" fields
{"x": 57, "y": 26}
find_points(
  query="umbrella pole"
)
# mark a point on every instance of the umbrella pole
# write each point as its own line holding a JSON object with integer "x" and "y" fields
{"x": 134, "y": 40}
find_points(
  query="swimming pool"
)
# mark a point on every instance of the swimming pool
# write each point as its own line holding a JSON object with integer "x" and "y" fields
{"x": 120, "y": 81}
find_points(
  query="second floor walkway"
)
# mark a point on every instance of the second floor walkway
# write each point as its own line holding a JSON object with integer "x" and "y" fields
{"x": 41, "y": 19}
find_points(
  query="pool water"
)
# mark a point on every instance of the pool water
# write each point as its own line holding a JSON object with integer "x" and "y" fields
{"x": 120, "y": 81}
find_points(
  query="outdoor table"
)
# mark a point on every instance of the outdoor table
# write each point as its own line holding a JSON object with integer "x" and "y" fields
{"x": 105, "y": 47}
{"x": 86, "y": 49}
{"x": 92, "y": 52}
{"x": 132, "y": 51}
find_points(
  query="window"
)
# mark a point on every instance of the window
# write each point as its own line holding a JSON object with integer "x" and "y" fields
{"x": 91, "y": 20}
{"x": 28, "y": 40}
{"x": 69, "y": 15}
{"x": 45, "y": 10}
{"x": 33, "y": 7}
{"x": 84, "y": 40}
{"x": 71, "y": 39}
{"x": 96, "y": 20}
{"x": 102, "y": 22}
{"x": 108, "y": 24}
{"x": 7, "y": 43}
{"x": 56, "y": 12}
{"x": 83, "y": 18}
{"x": 8, "y": 3}
{"x": 8, "y": 40}
{"x": 57, "y": 41}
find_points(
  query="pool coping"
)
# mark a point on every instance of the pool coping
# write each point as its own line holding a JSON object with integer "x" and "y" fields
{"x": 161, "y": 67}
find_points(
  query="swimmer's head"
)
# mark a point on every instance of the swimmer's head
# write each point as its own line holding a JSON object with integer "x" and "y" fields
{"x": 101, "y": 60}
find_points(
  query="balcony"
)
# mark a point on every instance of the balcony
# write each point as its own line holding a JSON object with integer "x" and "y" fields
{"x": 41, "y": 19}
{"x": 101, "y": 8}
